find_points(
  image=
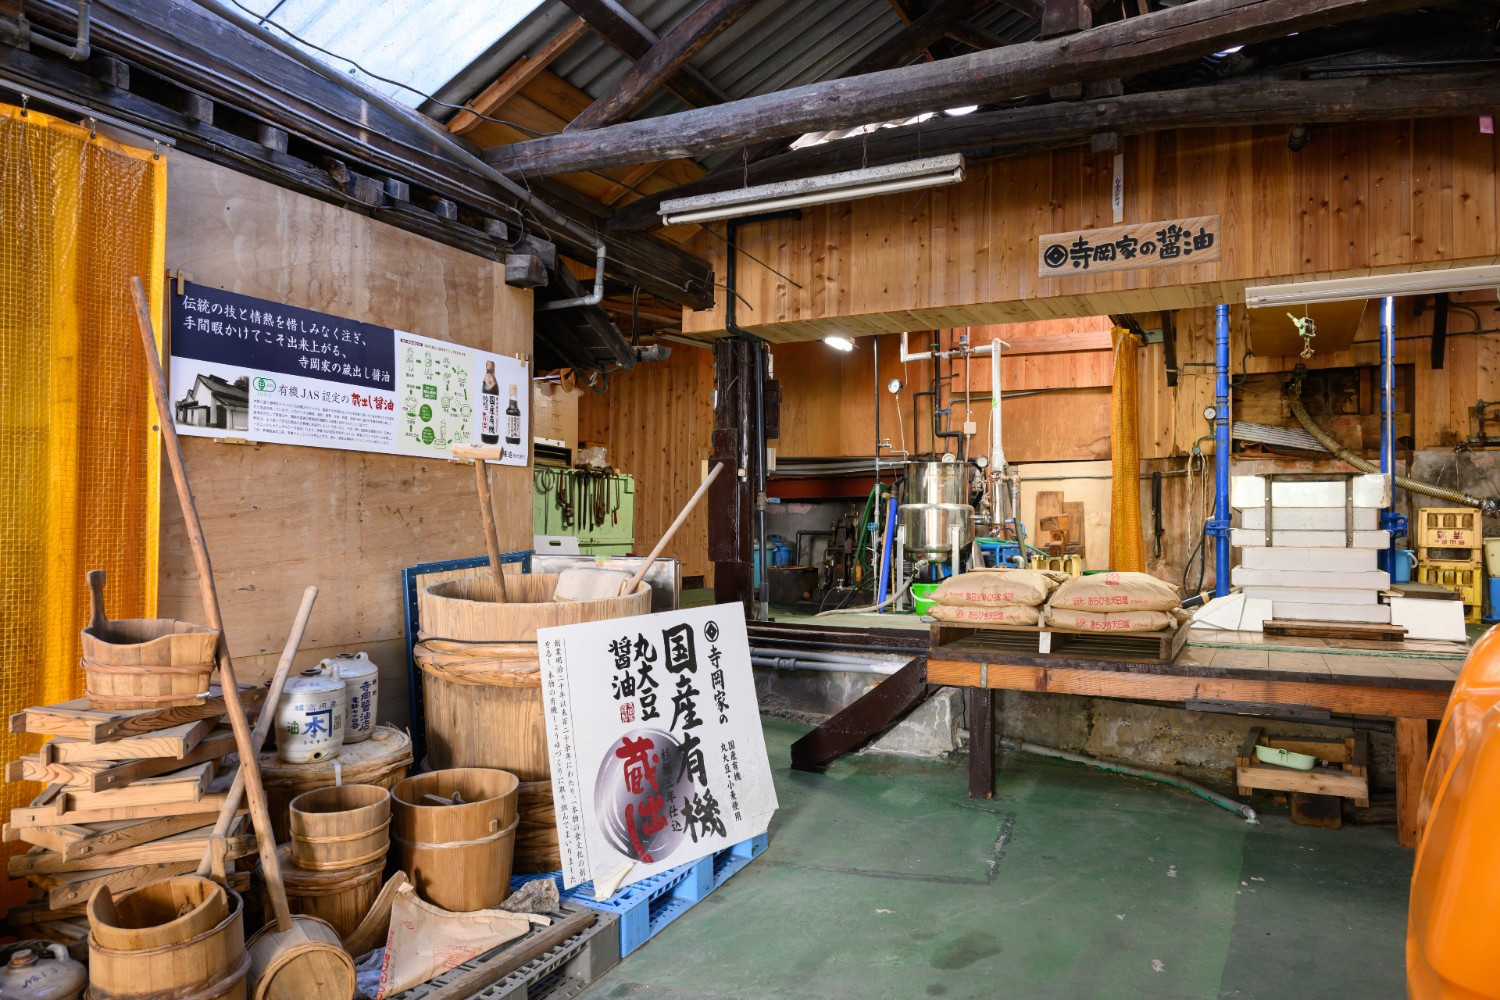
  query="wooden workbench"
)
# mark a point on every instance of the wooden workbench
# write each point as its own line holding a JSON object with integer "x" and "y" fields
{"x": 1409, "y": 684}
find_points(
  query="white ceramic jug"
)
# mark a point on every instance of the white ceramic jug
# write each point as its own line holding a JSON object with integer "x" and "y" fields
{"x": 32, "y": 974}
{"x": 362, "y": 683}
{"x": 310, "y": 718}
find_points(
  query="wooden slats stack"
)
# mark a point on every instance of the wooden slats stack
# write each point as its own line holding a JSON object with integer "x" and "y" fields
{"x": 130, "y": 797}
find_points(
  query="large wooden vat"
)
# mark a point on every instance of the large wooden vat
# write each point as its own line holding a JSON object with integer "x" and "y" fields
{"x": 207, "y": 966}
{"x": 458, "y": 854}
{"x": 382, "y": 760}
{"x": 481, "y": 681}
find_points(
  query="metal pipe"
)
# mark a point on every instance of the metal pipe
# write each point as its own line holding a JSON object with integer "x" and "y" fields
{"x": 78, "y": 51}
{"x": 796, "y": 663}
{"x": 883, "y": 569}
{"x": 997, "y": 442}
{"x": 592, "y": 298}
{"x": 1389, "y": 518}
{"x": 808, "y": 654}
{"x": 1218, "y": 527}
{"x": 927, "y": 355}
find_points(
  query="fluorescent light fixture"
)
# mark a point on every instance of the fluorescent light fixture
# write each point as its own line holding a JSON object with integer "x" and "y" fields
{"x": 1374, "y": 286}
{"x": 839, "y": 343}
{"x": 844, "y": 186}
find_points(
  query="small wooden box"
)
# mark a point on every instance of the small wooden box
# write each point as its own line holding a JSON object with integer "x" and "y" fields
{"x": 1351, "y": 753}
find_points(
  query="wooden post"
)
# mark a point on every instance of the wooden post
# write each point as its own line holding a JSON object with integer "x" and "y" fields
{"x": 239, "y": 721}
{"x": 481, "y": 455}
{"x": 1411, "y": 767}
{"x": 981, "y": 743}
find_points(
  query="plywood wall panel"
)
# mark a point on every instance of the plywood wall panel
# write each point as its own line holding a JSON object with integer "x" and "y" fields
{"x": 279, "y": 518}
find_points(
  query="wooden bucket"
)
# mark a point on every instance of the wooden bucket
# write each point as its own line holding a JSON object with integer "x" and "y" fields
{"x": 483, "y": 702}
{"x": 382, "y": 760}
{"x": 162, "y": 913}
{"x": 304, "y": 963}
{"x": 210, "y": 965}
{"x": 341, "y": 897}
{"x": 344, "y": 826}
{"x": 536, "y": 836}
{"x": 147, "y": 663}
{"x": 458, "y": 856}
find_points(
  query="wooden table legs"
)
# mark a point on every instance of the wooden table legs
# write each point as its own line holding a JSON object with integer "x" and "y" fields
{"x": 1411, "y": 765}
{"x": 981, "y": 743}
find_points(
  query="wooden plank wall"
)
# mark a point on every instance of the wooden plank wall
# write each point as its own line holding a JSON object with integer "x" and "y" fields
{"x": 1356, "y": 198}
{"x": 277, "y": 517}
{"x": 657, "y": 422}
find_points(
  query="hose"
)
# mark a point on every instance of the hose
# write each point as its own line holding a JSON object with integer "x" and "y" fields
{"x": 1488, "y": 506}
{"x": 871, "y": 608}
{"x": 1239, "y": 809}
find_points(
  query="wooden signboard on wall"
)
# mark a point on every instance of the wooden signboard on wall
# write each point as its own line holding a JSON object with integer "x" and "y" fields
{"x": 1126, "y": 248}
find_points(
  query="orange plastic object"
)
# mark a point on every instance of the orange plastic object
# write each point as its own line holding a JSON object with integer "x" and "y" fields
{"x": 1476, "y": 691}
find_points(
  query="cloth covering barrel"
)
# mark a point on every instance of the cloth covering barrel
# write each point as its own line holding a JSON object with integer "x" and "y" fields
{"x": 482, "y": 686}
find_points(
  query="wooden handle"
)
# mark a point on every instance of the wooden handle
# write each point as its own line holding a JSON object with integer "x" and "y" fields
{"x": 260, "y": 818}
{"x": 262, "y": 727}
{"x": 97, "y": 618}
{"x": 478, "y": 452}
{"x": 640, "y": 574}
{"x": 491, "y": 535}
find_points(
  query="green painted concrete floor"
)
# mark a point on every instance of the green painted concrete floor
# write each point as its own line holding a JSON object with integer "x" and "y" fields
{"x": 882, "y": 879}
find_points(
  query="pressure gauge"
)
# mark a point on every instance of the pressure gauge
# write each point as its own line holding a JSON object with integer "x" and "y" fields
{"x": 981, "y": 462}
{"x": 894, "y": 385}
{"x": 1210, "y": 413}
{"x": 949, "y": 458}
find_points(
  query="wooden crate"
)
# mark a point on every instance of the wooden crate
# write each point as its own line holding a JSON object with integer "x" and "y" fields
{"x": 1046, "y": 640}
{"x": 1350, "y": 781}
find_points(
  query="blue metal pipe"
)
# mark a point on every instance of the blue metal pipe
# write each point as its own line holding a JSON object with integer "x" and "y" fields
{"x": 1390, "y": 520}
{"x": 885, "y": 549}
{"x": 1218, "y": 525}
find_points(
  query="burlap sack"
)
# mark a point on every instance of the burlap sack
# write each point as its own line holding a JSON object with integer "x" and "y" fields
{"x": 1006, "y": 615}
{"x": 1116, "y": 592}
{"x": 1111, "y": 621}
{"x": 997, "y": 588}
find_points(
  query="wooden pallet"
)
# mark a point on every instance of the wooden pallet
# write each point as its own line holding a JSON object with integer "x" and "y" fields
{"x": 1350, "y": 781}
{"x": 1040, "y": 640}
{"x": 1333, "y": 630}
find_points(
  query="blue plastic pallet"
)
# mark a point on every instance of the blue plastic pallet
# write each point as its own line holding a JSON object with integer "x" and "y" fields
{"x": 651, "y": 904}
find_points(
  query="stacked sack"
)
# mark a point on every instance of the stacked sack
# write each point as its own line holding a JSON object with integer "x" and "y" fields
{"x": 995, "y": 596}
{"x": 1115, "y": 602}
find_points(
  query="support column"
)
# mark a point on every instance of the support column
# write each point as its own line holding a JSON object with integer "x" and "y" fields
{"x": 1411, "y": 767}
{"x": 732, "y": 499}
{"x": 1218, "y": 525}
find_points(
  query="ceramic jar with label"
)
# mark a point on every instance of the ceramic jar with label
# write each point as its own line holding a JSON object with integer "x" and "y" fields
{"x": 42, "y": 971}
{"x": 362, "y": 684}
{"x": 310, "y": 717}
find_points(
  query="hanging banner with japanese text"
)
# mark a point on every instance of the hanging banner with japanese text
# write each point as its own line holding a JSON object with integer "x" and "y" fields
{"x": 654, "y": 734}
{"x": 255, "y": 370}
{"x": 1123, "y": 248}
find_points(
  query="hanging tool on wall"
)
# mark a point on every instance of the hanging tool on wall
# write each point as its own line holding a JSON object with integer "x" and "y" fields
{"x": 1156, "y": 527}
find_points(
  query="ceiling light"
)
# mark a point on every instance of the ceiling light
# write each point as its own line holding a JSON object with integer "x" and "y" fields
{"x": 839, "y": 343}
{"x": 1445, "y": 279}
{"x": 843, "y": 186}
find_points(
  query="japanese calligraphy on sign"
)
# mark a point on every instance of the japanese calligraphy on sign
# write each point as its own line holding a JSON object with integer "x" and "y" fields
{"x": 665, "y": 763}
{"x": 248, "y": 368}
{"x": 1123, "y": 248}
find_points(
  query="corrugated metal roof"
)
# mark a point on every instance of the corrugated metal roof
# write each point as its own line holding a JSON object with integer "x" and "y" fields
{"x": 420, "y": 43}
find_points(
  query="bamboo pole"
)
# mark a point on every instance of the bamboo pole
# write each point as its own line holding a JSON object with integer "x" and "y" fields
{"x": 262, "y": 724}
{"x": 661, "y": 543}
{"x": 260, "y": 818}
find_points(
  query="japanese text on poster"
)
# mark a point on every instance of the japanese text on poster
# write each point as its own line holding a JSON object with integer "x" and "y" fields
{"x": 653, "y": 729}
{"x": 243, "y": 367}
{"x": 1122, "y": 248}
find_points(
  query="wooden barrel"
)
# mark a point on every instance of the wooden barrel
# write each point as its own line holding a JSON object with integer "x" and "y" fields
{"x": 210, "y": 965}
{"x": 162, "y": 913}
{"x": 382, "y": 760}
{"x": 482, "y": 694}
{"x": 147, "y": 663}
{"x": 536, "y": 836}
{"x": 341, "y": 897}
{"x": 340, "y": 827}
{"x": 458, "y": 856}
{"x": 304, "y": 963}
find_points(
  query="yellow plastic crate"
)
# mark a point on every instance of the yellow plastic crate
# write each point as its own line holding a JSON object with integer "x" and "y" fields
{"x": 1466, "y": 579}
{"x": 1449, "y": 528}
{"x": 1071, "y": 565}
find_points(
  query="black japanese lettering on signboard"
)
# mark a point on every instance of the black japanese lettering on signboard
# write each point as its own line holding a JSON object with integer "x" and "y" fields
{"x": 1174, "y": 242}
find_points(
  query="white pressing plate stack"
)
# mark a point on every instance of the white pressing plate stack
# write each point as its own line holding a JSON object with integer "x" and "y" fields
{"x": 1309, "y": 545}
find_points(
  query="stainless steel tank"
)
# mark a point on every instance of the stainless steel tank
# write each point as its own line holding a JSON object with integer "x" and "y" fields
{"x": 936, "y": 493}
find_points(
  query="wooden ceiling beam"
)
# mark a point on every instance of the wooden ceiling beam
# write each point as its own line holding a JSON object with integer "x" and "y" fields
{"x": 702, "y": 25}
{"x": 617, "y": 26}
{"x": 975, "y": 37}
{"x": 992, "y": 134}
{"x": 1122, "y": 48}
{"x": 918, "y": 35}
{"x": 521, "y": 72}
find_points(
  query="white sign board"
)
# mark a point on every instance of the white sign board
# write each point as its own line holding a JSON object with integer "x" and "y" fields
{"x": 257, "y": 370}
{"x": 654, "y": 734}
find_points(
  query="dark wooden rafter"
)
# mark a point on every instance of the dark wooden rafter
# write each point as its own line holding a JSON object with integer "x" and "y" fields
{"x": 617, "y": 26}
{"x": 1122, "y": 48}
{"x": 992, "y": 134}
{"x": 918, "y": 35}
{"x": 701, "y": 26}
{"x": 975, "y": 37}
{"x": 520, "y": 73}
{"x": 864, "y": 719}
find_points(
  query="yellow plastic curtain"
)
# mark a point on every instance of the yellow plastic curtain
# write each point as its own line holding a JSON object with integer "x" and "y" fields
{"x": 80, "y": 215}
{"x": 1126, "y": 551}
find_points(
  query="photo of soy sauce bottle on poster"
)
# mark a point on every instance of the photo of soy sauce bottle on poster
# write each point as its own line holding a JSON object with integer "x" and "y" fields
{"x": 513, "y": 418}
{"x": 489, "y": 410}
